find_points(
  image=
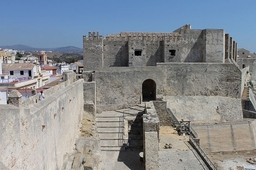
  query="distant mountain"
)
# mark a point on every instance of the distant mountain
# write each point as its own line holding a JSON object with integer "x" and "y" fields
{"x": 66, "y": 49}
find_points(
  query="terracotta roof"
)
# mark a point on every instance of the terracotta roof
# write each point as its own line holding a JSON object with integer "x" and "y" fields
{"x": 79, "y": 64}
{"x": 48, "y": 68}
{"x": 18, "y": 66}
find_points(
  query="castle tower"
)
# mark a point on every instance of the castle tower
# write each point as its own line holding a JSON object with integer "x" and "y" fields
{"x": 42, "y": 58}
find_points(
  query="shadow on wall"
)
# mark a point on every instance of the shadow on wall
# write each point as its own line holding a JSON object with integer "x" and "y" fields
{"x": 197, "y": 52}
{"x": 122, "y": 57}
{"x": 157, "y": 57}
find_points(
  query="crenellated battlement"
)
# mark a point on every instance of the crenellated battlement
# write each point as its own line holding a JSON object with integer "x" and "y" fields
{"x": 134, "y": 36}
{"x": 125, "y": 36}
{"x": 93, "y": 36}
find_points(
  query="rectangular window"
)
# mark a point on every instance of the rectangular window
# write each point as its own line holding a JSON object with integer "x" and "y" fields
{"x": 11, "y": 73}
{"x": 172, "y": 52}
{"x": 137, "y": 52}
{"x": 21, "y": 72}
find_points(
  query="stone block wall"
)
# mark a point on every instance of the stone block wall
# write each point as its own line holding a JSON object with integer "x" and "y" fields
{"x": 89, "y": 92}
{"x": 115, "y": 53}
{"x": 215, "y": 45}
{"x": 147, "y": 49}
{"x": 118, "y": 88}
{"x": 69, "y": 77}
{"x": 151, "y": 52}
{"x": 38, "y": 136}
{"x": 230, "y": 48}
{"x": 202, "y": 79}
{"x": 188, "y": 46}
{"x": 205, "y": 109}
{"x": 93, "y": 48}
{"x": 151, "y": 137}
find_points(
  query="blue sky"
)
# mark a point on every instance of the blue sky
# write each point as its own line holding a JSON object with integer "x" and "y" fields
{"x": 56, "y": 23}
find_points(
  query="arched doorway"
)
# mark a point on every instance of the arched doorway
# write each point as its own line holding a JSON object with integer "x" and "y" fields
{"x": 148, "y": 90}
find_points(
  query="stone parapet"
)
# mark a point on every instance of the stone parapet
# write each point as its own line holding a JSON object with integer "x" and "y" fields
{"x": 151, "y": 137}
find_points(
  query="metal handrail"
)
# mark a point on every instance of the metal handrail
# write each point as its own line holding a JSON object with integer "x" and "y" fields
{"x": 201, "y": 153}
{"x": 120, "y": 132}
{"x": 193, "y": 132}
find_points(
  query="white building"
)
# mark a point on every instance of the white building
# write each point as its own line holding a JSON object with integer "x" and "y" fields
{"x": 23, "y": 75}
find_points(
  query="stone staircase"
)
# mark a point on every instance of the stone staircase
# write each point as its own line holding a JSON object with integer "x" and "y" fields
{"x": 116, "y": 128}
{"x": 245, "y": 94}
{"x": 110, "y": 127}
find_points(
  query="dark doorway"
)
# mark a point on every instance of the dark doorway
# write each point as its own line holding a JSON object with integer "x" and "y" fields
{"x": 148, "y": 90}
{"x": 29, "y": 73}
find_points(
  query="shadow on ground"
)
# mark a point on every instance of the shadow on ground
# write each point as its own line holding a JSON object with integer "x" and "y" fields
{"x": 130, "y": 157}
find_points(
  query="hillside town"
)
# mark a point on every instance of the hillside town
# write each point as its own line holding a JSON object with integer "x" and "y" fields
{"x": 29, "y": 72}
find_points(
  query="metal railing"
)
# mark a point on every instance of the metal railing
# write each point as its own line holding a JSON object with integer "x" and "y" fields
{"x": 201, "y": 153}
{"x": 194, "y": 142}
{"x": 121, "y": 131}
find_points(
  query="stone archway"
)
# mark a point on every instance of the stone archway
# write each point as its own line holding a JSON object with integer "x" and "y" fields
{"x": 148, "y": 90}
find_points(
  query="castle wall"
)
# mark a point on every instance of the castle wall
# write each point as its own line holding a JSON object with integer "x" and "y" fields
{"x": 92, "y": 52}
{"x": 38, "y": 136}
{"x": 115, "y": 53}
{"x": 120, "y": 87}
{"x": 202, "y": 79}
{"x": 188, "y": 46}
{"x": 151, "y": 52}
{"x": 89, "y": 89}
{"x": 215, "y": 45}
{"x": 147, "y": 49}
{"x": 205, "y": 109}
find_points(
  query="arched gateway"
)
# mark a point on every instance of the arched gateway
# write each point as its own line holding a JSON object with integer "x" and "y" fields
{"x": 148, "y": 90}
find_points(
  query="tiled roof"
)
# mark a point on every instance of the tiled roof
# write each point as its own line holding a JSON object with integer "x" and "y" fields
{"x": 48, "y": 68}
{"x": 79, "y": 64}
{"x": 18, "y": 66}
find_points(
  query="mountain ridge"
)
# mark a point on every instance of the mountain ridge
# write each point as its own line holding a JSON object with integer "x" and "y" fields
{"x": 29, "y": 48}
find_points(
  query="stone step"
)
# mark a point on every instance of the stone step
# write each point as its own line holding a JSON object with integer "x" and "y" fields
{"x": 110, "y": 136}
{"x": 109, "y": 114}
{"x": 109, "y": 124}
{"x": 110, "y": 130}
{"x": 109, "y": 119}
{"x": 113, "y": 148}
{"x": 111, "y": 143}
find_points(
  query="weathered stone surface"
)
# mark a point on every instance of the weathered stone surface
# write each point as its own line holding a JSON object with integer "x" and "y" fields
{"x": 118, "y": 88}
{"x": 37, "y": 136}
{"x": 14, "y": 98}
{"x": 205, "y": 109}
{"x": 151, "y": 148}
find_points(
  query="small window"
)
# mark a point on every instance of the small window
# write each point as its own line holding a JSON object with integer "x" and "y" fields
{"x": 11, "y": 73}
{"x": 137, "y": 52}
{"x": 2, "y": 77}
{"x": 21, "y": 72}
{"x": 172, "y": 52}
{"x": 243, "y": 65}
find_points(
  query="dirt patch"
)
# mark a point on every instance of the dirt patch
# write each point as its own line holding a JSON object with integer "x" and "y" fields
{"x": 232, "y": 160}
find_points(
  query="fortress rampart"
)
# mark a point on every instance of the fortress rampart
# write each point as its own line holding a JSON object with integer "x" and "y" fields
{"x": 38, "y": 136}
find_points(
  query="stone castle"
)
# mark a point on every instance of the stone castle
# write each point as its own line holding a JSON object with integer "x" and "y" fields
{"x": 139, "y": 87}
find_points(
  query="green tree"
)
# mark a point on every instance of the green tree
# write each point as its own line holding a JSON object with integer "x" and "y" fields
{"x": 18, "y": 56}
